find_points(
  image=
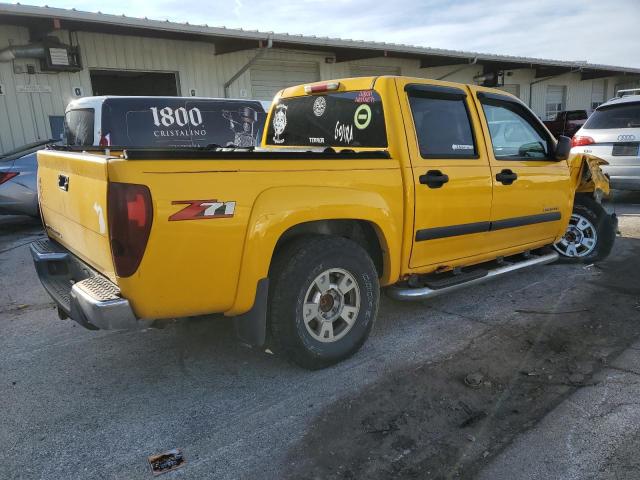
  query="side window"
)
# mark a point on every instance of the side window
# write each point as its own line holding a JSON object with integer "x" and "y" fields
{"x": 513, "y": 135}
{"x": 78, "y": 127}
{"x": 442, "y": 125}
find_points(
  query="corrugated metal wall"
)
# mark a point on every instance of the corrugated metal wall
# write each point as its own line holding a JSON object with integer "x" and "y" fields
{"x": 24, "y": 117}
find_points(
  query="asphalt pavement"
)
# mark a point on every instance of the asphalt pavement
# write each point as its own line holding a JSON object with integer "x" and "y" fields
{"x": 83, "y": 404}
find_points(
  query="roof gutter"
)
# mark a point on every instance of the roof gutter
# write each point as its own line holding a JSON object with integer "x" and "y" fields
{"x": 261, "y": 51}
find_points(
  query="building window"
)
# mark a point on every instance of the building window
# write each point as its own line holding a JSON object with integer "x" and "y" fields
{"x": 555, "y": 101}
{"x": 598, "y": 92}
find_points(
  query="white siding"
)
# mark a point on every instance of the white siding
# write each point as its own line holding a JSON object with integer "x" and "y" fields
{"x": 270, "y": 76}
{"x": 373, "y": 70}
{"x": 24, "y": 116}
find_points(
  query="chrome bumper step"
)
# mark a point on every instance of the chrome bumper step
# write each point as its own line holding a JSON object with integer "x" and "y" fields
{"x": 405, "y": 293}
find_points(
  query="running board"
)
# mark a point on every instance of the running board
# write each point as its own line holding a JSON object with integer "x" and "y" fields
{"x": 422, "y": 293}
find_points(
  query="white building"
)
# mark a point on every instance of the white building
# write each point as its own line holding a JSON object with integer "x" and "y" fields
{"x": 48, "y": 56}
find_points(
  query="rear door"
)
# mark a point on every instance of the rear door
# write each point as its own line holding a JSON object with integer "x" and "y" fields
{"x": 531, "y": 190}
{"x": 451, "y": 174}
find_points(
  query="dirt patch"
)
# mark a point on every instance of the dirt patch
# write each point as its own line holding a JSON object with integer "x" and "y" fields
{"x": 449, "y": 418}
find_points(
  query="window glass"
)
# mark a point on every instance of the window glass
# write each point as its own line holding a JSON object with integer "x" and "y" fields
{"x": 344, "y": 119}
{"x": 78, "y": 127}
{"x": 512, "y": 135}
{"x": 577, "y": 115}
{"x": 555, "y": 101}
{"x": 443, "y": 127}
{"x": 626, "y": 115}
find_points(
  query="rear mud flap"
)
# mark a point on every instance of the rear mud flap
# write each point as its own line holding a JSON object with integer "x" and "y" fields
{"x": 251, "y": 327}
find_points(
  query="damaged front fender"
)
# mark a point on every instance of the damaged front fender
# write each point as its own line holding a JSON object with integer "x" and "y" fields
{"x": 588, "y": 176}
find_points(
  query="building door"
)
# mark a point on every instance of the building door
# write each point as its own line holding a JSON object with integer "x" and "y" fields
{"x": 268, "y": 77}
{"x": 124, "y": 82}
{"x": 555, "y": 101}
{"x": 372, "y": 70}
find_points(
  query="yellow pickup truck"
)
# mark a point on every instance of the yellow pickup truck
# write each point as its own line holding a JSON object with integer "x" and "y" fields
{"x": 417, "y": 185}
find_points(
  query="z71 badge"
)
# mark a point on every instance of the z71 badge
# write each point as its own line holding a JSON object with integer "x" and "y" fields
{"x": 203, "y": 209}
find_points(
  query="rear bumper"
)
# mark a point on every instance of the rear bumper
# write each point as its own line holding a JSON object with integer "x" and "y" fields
{"x": 80, "y": 292}
{"x": 622, "y": 177}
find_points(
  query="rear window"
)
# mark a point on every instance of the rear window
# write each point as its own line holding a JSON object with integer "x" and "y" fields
{"x": 615, "y": 116}
{"x": 178, "y": 122}
{"x": 345, "y": 119}
{"x": 78, "y": 127}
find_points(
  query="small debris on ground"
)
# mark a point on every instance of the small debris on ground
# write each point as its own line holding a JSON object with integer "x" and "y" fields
{"x": 474, "y": 380}
{"x": 166, "y": 462}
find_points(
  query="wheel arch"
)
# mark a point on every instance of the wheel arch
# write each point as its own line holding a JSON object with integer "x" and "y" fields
{"x": 281, "y": 214}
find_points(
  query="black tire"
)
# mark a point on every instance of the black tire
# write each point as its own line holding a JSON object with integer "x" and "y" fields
{"x": 293, "y": 273}
{"x": 605, "y": 226}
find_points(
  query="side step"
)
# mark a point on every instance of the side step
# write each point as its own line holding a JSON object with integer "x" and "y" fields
{"x": 421, "y": 293}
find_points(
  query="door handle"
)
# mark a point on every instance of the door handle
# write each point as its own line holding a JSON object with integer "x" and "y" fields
{"x": 434, "y": 179}
{"x": 506, "y": 177}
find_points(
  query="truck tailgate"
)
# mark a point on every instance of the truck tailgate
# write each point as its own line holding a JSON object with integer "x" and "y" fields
{"x": 73, "y": 201}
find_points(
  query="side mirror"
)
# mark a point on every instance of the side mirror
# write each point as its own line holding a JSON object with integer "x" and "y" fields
{"x": 563, "y": 148}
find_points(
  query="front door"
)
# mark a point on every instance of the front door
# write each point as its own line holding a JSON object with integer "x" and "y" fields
{"x": 451, "y": 174}
{"x": 531, "y": 190}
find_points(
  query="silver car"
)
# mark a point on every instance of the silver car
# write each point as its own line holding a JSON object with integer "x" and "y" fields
{"x": 18, "y": 173}
{"x": 612, "y": 132}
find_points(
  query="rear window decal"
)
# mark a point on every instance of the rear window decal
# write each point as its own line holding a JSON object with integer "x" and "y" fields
{"x": 279, "y": 122}
{"x": 337, "y": 119}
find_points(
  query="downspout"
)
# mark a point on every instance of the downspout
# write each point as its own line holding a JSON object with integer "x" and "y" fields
{"x": 261, "y": 51}
{"x": 472, "y": 62}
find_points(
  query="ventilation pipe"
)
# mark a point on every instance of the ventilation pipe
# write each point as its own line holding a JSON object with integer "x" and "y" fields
{"x": 35, "y": 50}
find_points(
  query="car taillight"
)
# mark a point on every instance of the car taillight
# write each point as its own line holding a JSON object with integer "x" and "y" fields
{"x": 130, "y": 215}
{"x": 6, "y": 176}
{"x": 580, "y": 140}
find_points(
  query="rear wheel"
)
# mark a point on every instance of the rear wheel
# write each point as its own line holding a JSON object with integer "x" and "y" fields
{"x": 323, "y": 300}
{"x": 590, "y": 234}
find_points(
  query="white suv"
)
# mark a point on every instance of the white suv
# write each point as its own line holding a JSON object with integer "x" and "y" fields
{"x": 612, "y": 132}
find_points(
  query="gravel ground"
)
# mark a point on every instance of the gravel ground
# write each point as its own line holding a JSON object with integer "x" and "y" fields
{"x": 81, "y": 404}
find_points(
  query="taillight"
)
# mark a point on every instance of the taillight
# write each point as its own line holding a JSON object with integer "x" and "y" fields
{"x": 579, "y": 141}
{"x": 105, "y": 140}
{"x": 322, "y": 87}
{"x": 130, "y": 215}
{"x": 6, "y": 176}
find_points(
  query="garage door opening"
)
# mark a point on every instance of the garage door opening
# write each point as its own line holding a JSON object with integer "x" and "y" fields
{"x": 109, "y": 82}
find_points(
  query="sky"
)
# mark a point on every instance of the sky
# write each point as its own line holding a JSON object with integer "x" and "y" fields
{"x": 596, "y": 31}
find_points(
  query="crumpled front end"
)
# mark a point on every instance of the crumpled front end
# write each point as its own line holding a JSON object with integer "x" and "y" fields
{"x": 588, "y": 176}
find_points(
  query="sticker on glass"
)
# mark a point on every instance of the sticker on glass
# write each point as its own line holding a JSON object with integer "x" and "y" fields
{"x": 279, "y": 122}
{"x": 362, "y": 117}
{"x": 319, "y": 106}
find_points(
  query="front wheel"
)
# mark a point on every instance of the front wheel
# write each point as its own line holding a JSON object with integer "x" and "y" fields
{"x": 323, "y": 300}
{"x": 590, "y": 234}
